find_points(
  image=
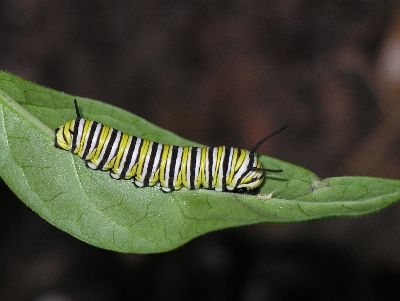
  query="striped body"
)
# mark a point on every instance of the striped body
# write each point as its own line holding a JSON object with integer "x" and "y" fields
{"x": 149, "y": 163}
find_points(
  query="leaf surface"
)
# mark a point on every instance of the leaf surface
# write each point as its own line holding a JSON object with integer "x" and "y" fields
{"x": 116, "y": 215}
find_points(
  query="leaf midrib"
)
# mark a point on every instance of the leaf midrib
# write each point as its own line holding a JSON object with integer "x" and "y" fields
{"x": 21, "y": 111}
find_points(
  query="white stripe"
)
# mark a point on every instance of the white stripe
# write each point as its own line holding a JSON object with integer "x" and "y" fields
{"x": 229, "y": 162}
{"x": 197, "y": 169}
{"x": 80, "y": 131}
{"x": 229, "y": 168}
{"x": 134, "y": 155}
{"x": 188, "y": 163}
{"x": 178, "y": 163}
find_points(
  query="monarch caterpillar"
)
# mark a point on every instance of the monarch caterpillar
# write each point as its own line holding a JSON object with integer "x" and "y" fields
{"x": 149, "y": 163}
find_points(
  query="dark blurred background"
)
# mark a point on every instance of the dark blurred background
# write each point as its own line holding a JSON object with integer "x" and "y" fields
{"x": 221, "y": 72}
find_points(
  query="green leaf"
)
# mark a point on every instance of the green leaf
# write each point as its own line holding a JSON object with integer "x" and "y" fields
{"x": 116, "y": 215}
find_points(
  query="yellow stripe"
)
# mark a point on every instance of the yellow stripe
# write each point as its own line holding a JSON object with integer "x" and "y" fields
{"x": 143, "y": 154}
{"x": 109, "y": 164}
{"x": 71, "y": 129}
{"x": 196, "y": 179}
{"x": 185, "y": 156}
{"x": 154, "y": 178}
{"x": 219, "y": 154}
{"x": 246, "y": 179}
{"x": 84, "y": 136}
{"x": 163, "y": 164}
{"x": 232, "y": 171}
{"x": 67, "y": 133}
{"x": 178, "y": 182}
{"x": 120, "y": 151}
{"x": 132, "y": 172}
{"x": 202, "y": 173}
{"x": 241, "y": 159}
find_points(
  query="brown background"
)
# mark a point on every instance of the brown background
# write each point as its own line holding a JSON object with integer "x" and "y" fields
{"x": 221, "y": 72}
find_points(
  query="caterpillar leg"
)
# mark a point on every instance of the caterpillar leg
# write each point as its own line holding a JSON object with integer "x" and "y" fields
{"x": 90, "y": 165}
{"x": 138, "y": 183}
{"x": 165, "y": 189}
{"x": 115, "y": 176}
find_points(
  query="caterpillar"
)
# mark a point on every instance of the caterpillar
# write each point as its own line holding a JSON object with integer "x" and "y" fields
{"x": 148, "y": 163}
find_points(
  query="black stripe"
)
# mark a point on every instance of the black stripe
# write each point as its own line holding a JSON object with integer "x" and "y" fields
{"x": 152, "y": 155}
{"x": 128, "y": 157}
{"x": 65, "y": 138}
{"x": 251, "y": 161}
{"x": 109, "y": 147}
{"x": 89, "y": 139}
{"x": 193, "y": 155}
{"x": 75, "y": 134}
{"x": 225, "y": 166}
{"x": 172, "y": 166}
{"x": 210, "y": 163}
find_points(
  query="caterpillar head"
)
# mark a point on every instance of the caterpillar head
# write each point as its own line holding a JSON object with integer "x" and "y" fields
{"x": 250, "y": 176}
{"x": 64, "y": 135}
